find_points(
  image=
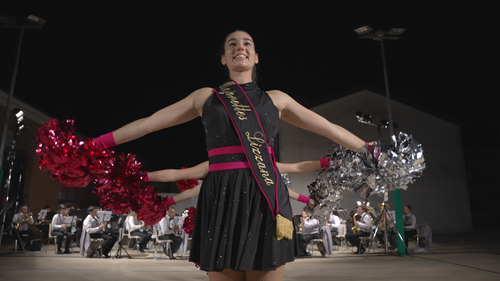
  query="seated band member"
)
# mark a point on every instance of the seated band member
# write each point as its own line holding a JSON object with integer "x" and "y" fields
{"x": 94, "y": 228}
{"x": 18, "y": 218}
{"x": 310, "y": 230}
{"x": 61, "y": 229}
{"x": 365, "y": 227}
{"x": 133, "y": 226}
{"x": 166, "y": 231}
{"x": 329, "y": 231}
{"x": 410, "y": 223}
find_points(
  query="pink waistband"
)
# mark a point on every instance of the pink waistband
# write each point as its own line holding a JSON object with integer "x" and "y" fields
{"x": 229, "y": 165}
{"x": 231, "y": 150}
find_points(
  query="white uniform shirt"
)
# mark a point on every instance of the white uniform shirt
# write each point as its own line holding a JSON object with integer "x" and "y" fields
{"x": 57, "y": 221}
{"x": 365, "y": 223}
{"x": 132, "y": 223}
{"x": 334, "y": 221}
{"x": 409, "y": 221}
{"x": 91, "y": 225}
{"x": 166, "y": 226}
{"x": 311, "y": 226}
{"x": 17, "y": 218}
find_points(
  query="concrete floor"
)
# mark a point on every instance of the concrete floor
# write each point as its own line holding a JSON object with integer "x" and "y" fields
{"x": 470, "y": 256}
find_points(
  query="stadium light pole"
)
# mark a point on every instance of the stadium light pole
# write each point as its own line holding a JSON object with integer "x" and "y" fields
{"x": 366, "y": 32}
{"x": 10, "y": 22}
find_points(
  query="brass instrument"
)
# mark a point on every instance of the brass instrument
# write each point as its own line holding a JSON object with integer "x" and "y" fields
{"x": 382, "y": 219}
{"x": 355, "y": 228}
{"x": 25, "y": 218}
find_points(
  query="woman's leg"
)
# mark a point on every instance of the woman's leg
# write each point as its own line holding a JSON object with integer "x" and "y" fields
{"x": 226, "y": 275}
{"x": 275, "y": 275}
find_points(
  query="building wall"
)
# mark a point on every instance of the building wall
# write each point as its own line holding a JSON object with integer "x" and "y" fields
{"x": 38, "y": 189}
{"x": 439, "y": 198}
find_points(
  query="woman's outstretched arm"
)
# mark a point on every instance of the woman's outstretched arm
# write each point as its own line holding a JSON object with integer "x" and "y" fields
{"x": 294, "y": 113}
{"x": 169, "y": 175}
{"x": 299, "y": 167}
{"x": 200, "y": 171}
{"x": 175, "y": 114}
{"x": 188, "y": 194}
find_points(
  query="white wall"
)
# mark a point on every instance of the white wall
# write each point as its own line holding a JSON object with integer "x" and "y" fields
{"x": 440, "y": 198}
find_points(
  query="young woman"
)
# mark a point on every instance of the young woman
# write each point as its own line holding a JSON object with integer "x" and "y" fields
{"x": 240, "y": 205}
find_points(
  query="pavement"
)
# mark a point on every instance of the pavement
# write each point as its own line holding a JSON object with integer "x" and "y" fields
{"x": 466, "y": 256}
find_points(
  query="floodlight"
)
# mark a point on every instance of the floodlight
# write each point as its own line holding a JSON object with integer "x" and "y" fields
{"x": 36, "y": 20}
{"x": 363, "y": 30}
{"x": 396, "y": 31}
{"x": 19, "y": 114}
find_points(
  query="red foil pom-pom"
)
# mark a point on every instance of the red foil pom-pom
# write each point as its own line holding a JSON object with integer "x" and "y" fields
{"x": 189, "y": 221}
{"x": 117, "y": 179}
{"x": 184, "y": 185}
{"x": 118, "y": 183}
{"x": 65, "y": 158}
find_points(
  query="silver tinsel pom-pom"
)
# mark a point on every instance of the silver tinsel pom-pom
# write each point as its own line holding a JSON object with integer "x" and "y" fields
{"x": 326, "y": 198}
{"x": 386, "y": 168}
{"x": 287, "y": 179}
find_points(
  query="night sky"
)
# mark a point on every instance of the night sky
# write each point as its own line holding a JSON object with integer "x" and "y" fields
{"x": 107, "y": 63}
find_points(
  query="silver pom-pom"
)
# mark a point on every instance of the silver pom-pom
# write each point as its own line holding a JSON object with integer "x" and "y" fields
{"x": 287, "y": 179}
{"x": 326, "y": 198}
{"x": 375, "y": 171}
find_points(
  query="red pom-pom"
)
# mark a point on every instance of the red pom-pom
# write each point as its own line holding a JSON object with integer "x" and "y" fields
{"x": 65, "y": 158}
{"x": 118, "y": 184}
{"x": 117, "y": 179}
{"x": 189, "y": 221}
{"x": 186, "y": 184}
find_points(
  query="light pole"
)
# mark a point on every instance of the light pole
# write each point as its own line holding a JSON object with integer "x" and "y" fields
{"x": 9, "y": 22}
{"x": 366, "y": 32}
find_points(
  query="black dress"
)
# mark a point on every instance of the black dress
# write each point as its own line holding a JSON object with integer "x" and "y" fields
{"x": 234, "y": 227}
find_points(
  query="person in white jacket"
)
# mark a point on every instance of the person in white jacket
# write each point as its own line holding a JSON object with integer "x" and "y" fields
{"x": 94, "y": 228}
{"x": 310, "y": 230}
{"x": 329, "y": 231}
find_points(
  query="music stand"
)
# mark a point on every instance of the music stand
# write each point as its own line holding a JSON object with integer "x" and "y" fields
{"x": 104, "y": 216}
{"x": 119, "y": 254}
{"x": 389, "y": 216}
{"x": 42, "y": 214}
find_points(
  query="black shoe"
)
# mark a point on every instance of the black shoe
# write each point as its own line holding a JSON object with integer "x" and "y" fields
{"x": 362, "y": 251}
{"x": 67, "y": 251}
{"x": 59, "y": 252}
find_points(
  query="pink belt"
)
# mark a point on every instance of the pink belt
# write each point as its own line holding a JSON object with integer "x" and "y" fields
{"x": 229, "y": 165}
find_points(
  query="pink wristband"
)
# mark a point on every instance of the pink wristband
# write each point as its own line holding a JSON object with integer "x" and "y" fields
{"x": 325, "y": 162}
{"x": 146, "y": 178}
{"x": 304, "y": 199}
{"x": 170, "y": 201}
{"x": 105, "y": 141}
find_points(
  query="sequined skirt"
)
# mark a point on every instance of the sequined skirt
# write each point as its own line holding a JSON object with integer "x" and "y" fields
{"x": 234, "y": 228}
